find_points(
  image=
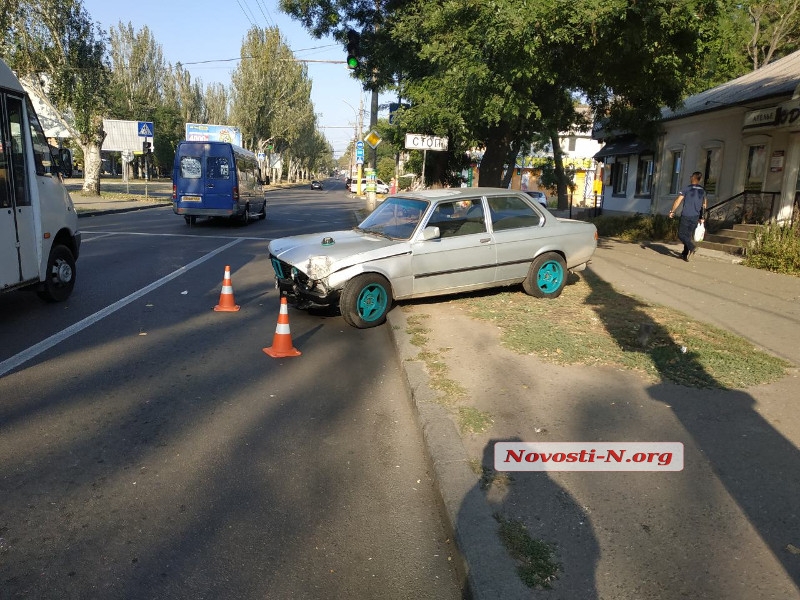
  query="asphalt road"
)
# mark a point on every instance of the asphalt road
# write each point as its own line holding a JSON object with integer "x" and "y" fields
{"x": 150, "y": 449}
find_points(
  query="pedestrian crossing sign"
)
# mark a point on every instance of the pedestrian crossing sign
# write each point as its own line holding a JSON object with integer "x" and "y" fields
{"x": 145, "y": 128}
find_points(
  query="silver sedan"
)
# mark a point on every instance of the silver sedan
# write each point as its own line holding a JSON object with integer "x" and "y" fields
{"x": 433, "y": 242}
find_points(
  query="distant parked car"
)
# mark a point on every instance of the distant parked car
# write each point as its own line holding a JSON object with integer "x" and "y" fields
{"x": 540, "y": 197}
{"x": 428, "y": 243}
{"x": 316, "y": 185}
{"x": 380, "y": 186}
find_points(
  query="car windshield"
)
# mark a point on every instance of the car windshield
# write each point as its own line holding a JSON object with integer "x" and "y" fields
{"x": 396, "y": 218}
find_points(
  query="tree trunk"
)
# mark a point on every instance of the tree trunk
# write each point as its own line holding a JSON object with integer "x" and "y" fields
{"x": 91, "y": 144}
{"x": 494, "y": 159}
{"x": 562, "y": 182}
{"x": 511, "y": 161}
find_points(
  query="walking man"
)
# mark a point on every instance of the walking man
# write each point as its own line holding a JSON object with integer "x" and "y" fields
{"x": 694, "y": 201}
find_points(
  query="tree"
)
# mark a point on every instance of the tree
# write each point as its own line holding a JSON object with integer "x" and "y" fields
{"x": 271, "y": 94}
{"x": 775, "y": 29}
{"x": 138, "y": 72}
{"x": 53, "y": 44}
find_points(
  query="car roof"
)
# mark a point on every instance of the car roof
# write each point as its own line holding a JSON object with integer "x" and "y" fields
{"x": 456, "y": 193}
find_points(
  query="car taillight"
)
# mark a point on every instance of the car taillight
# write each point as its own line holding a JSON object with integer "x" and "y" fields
{"x": 174, "y": 192}
{"x": 236, "y": 193}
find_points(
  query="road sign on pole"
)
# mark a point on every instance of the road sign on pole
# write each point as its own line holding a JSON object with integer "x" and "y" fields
{"x": 145, "y": 128}
{"x": 418, "y": 141}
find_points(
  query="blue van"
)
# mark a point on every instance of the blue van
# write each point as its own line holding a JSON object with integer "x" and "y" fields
{"x": 217, "y": 179}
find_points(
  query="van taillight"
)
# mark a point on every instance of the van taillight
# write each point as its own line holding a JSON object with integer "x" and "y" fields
{"x": 174, "y": 192}
{"x": 236, "y": 193}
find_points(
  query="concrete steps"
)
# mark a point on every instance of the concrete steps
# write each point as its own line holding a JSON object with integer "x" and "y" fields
{"x": 732, "y": 241}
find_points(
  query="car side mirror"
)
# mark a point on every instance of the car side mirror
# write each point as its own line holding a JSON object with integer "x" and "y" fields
{"x": 431, "y": 233}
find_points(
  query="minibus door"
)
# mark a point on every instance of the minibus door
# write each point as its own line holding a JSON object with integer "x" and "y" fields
{"x": 219, "y": 178}
{"x": 19, "y": 260}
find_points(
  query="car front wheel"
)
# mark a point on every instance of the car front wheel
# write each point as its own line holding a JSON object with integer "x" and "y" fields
{"x": 365, "y": 300}
{"x": 60, "y": 278}
{"x": 546, "y": 276}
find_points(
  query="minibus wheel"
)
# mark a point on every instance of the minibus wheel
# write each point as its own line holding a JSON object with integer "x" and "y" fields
{"x": 60, "y": 276}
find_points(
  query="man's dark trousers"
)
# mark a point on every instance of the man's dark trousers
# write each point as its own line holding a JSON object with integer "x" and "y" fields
{"x": 686, "y": 229}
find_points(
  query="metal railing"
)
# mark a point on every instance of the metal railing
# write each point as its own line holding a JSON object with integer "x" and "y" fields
{"x": 750, "y": 207}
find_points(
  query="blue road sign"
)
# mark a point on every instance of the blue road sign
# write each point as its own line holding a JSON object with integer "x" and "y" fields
{"x": 360, "y": 146}
{"x": 145, "y": 128}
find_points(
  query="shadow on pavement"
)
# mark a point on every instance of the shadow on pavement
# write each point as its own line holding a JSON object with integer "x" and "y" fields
{"x": 735, "y": 446}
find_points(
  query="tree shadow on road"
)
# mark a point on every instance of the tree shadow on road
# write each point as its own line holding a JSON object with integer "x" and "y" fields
{"x": 729, "y": 443}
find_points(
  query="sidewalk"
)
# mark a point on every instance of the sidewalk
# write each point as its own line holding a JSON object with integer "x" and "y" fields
{"x": 726, "y": 527}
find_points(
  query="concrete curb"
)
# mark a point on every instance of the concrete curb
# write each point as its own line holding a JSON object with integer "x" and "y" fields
{"x": 93, "y": 212}
{"x": 482, "y": 562}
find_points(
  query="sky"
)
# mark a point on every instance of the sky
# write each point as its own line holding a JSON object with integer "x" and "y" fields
{"x": 196, "y": 31}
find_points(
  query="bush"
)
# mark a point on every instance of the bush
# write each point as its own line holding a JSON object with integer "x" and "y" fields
{"x": 637, "y": 228}
{"x": 775, "y": 248}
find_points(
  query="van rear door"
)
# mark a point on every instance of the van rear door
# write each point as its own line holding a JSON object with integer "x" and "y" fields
{"x": 19, "y": 255}
{"x": 190, "y": 185}
{"x": 220, "y": 178}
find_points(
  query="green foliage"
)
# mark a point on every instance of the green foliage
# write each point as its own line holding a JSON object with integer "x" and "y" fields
{"x": 776, "y": 248}
{"x": 637, "y": 228}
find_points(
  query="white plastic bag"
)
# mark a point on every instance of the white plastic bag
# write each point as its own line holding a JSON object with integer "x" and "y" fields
{"x": 699, "y": 232}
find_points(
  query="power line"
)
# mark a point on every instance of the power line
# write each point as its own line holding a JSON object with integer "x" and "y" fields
{"x": 246, "y": 16}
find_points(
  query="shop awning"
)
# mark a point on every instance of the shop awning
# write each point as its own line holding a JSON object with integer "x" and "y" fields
{"x": 622, "y": 147}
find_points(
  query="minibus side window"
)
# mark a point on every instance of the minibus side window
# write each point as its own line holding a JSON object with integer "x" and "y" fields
{"x": 5, "y": 191}
{"x": 17, "y": 158}
{"x": 190, "y": 167}
{"x": 41, "y": 149}
{"x": 218, "y": 167}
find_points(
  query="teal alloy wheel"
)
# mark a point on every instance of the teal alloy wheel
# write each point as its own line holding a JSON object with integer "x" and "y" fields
{"x": 365, "y": 300}
{"x": 546, "y": 276}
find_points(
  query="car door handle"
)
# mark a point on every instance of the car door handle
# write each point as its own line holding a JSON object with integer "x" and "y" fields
{"x": 485, "y": 240}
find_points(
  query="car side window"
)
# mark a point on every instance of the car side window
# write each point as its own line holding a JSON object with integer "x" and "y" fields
{"x": 512, "y": 212}
{"x": 462, "y": 217}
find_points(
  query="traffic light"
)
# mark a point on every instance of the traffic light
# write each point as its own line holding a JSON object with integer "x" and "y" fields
{"x": 353, "y": 51}
{"x": 146, "y": 147}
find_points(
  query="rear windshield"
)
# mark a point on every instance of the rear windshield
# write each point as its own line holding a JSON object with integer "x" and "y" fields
{"x": 218, "y": 167}
{"x": 190, "y": 167}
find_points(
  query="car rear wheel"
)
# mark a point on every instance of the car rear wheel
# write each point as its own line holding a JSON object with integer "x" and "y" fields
{"x": 365, "y": 300}
{"x": 546, "y": 276}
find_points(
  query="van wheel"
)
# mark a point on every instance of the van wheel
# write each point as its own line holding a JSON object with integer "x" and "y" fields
{"x": 263, "y": 214}
{"x": 60, "y": 276}
{"x": 190, "y": 220}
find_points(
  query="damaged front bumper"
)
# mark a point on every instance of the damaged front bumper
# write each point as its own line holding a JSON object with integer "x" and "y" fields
{"x": 299, "y": 289}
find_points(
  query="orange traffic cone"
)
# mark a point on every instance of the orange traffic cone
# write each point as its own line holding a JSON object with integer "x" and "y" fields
{"x": 282, "y": 340}
{"x": 226, "y": 303}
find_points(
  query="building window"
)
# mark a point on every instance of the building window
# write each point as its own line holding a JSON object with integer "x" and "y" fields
{"x": 711, "y": 170}
{"x": 756, "y": 164}
{"x": 644, "y": 176}
{"x": 675, "y": 172}
{"x": 619, "y": 177}
{"x": 571, "y": 144}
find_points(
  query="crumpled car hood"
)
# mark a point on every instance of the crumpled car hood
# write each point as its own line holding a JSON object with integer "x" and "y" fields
{"x": 307, "y": 252}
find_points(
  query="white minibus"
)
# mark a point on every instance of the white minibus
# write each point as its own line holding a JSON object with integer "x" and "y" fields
{"x": 39, "y": 236}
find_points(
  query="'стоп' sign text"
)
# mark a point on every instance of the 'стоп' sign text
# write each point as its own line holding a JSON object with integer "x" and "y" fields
{"x": 417, "y": 141}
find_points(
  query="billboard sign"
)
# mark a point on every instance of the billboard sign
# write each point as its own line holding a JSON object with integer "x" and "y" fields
{"x": 202, "y": 132}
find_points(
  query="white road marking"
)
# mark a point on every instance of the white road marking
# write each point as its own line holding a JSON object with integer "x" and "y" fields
{"x": 35, "y": 350}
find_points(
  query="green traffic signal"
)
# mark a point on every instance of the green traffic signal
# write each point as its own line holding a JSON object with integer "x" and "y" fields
{"x": 353, "y": 50}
